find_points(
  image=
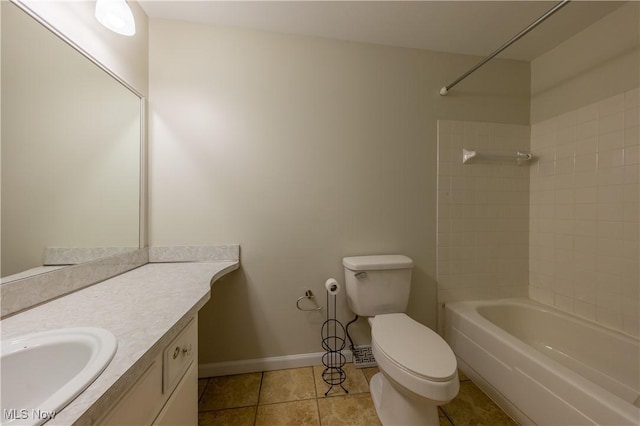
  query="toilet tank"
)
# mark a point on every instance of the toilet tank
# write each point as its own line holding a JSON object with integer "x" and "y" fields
{"x": 377, "y": 284}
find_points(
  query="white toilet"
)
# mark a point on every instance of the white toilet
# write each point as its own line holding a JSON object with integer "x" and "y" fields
{"x": 418, "y": 370}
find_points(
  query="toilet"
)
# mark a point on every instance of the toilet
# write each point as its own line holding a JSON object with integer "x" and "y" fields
{"x": 418, "y": 370}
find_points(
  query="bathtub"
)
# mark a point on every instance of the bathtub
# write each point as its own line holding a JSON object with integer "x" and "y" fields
{"x": 543, "y": 366}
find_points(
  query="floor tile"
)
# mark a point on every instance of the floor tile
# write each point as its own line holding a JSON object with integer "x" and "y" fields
{"x": 355, "y": 381}
{"x": 461, "y": 376}
{"x": 244, "y": 416}
{"x": 202, "y": 384}
{"x": 473, "y": 407}
{"x": 444, "y": 421}
{"x": 231, "y": 392}
{"x": 295, "y": 397}
{"x": 296, "y": 413}
{"x": 351, "y": 410}
{"x": 287, "y": 385}
{"x": 369, "y": 372}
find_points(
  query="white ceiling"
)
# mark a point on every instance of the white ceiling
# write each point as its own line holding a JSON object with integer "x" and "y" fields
{"x": 467, "y": 27}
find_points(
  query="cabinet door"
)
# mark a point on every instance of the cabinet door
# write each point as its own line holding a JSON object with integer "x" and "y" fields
{"x": 182, "y": 406}
{"x": 141, "y": 402}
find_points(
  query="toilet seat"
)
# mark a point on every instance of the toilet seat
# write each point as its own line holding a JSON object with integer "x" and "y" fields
{"x": 414, "y": 356}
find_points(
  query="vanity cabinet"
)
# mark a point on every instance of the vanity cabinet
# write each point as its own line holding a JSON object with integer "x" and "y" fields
{"x": 167, "y": 392}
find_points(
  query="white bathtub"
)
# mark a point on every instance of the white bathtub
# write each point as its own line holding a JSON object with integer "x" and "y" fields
{"x": 543, "y": 366}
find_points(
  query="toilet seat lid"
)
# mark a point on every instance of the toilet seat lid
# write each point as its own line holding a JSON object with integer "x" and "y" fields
{"x": 414, "y": 347}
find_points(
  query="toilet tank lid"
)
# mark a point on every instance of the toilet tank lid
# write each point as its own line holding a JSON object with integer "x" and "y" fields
{"x": 377, "y": 263}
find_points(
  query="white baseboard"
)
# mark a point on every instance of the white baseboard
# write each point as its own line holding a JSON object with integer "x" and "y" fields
{"x": 227, "y": 368}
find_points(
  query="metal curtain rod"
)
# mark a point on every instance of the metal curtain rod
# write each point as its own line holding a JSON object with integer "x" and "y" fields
{"x": 515, "y": 38}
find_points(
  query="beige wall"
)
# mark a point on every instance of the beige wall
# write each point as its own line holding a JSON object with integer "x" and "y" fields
{"x": 125, "y": 56}
{"x": 597, "y": 63}
{"x": 303, "y": 150}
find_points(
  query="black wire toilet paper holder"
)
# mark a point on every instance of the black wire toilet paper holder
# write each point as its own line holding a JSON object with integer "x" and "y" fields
{"x": 333, "y": 342}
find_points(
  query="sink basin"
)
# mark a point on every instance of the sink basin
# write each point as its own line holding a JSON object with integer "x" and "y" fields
{"x": 43, "y": 372}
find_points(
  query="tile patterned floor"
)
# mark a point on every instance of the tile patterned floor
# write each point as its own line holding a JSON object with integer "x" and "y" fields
{"x": 296, "y": 397}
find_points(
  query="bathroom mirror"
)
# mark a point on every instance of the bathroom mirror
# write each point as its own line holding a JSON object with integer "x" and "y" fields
{"x": 70, "y": 146}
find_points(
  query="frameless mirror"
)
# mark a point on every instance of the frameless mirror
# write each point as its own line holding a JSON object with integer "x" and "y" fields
{"x": 70, "y": 147}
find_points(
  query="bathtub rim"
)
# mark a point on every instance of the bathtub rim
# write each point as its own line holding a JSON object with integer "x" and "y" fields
{"x": 467, "y": 311}
{"x": 465, "y": 306}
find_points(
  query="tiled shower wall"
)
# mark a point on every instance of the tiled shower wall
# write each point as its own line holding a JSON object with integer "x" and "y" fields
{"x": 584, "y": 212}
{"x": 483, "y": 212}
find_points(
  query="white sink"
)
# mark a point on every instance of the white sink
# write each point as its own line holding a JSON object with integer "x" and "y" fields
{"x": 43, "y": 372}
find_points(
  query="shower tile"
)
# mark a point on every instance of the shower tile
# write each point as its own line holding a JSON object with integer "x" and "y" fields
{"x": 287, "y": 385}
{"x": 587, "y": 129}
{"x": 609, "y": 318}
{"x": 231, "y": 417}
{"x": 630, "y": 325}
{"x": 632, "y": 99}
{"x": 567, "y": 151}
{"x": 444, "y": 126}
{"x": 585, "y": 310}
{"x": 587, "y": 113}
{"x": 632, "y": 118}
{"x": 288, "y": 413}
{"x": 564, "y": 302}
{"x": 588, "y": 145}
{"x": 611, "y": 212}
{"x": 612, "y": 140}
{"x": 611, "y": 123}
{"x": 353, "y": 410}
{"x": 631, "y": 231}
{"x": 611, "y": 105}
{"x": 567, "y": 119}
{"x": 610, "y": 158}
{"x": 231, "y": 391}
{"x": 631, "y": 251}
{"x": 632, "y": 136}
{"x": 631, "y": 211}
{"x": 585, "y": 162}
{"x": 632, "y": 155}
{"x": 567, "y": 135}
{"x": 611, "y": 194}
{"x": 355, "y": 381}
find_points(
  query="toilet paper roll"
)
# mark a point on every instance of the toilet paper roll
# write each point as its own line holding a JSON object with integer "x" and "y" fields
{"x": 332, "y": 286}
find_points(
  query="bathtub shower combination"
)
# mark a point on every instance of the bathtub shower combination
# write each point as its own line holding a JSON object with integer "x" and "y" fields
{"x": 544, "y": 366}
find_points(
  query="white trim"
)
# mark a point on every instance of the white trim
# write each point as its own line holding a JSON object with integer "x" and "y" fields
{"x": 226, "y": 368}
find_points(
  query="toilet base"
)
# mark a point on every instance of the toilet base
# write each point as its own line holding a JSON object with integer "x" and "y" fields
{"x": 396, "y": 408}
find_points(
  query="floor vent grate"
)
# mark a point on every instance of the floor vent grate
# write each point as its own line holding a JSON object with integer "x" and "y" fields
{"x": 363, "y": 357}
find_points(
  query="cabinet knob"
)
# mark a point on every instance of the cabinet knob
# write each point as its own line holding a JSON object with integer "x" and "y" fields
{"x": 187, "y": 351}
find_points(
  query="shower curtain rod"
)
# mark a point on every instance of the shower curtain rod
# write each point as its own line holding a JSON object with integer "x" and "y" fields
{"x": 515, "y": 38}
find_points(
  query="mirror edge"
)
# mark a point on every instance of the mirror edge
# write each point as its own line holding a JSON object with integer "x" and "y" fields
{"x": 76, "y": 46}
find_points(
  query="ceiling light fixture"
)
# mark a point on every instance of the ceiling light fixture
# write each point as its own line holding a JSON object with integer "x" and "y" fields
{"x": 116, "y": 15}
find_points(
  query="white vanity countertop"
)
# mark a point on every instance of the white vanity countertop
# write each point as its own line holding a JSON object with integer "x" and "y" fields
{"x": 144, "y": 308}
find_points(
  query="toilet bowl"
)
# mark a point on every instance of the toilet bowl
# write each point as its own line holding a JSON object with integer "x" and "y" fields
{"x": 418, "y": 371}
